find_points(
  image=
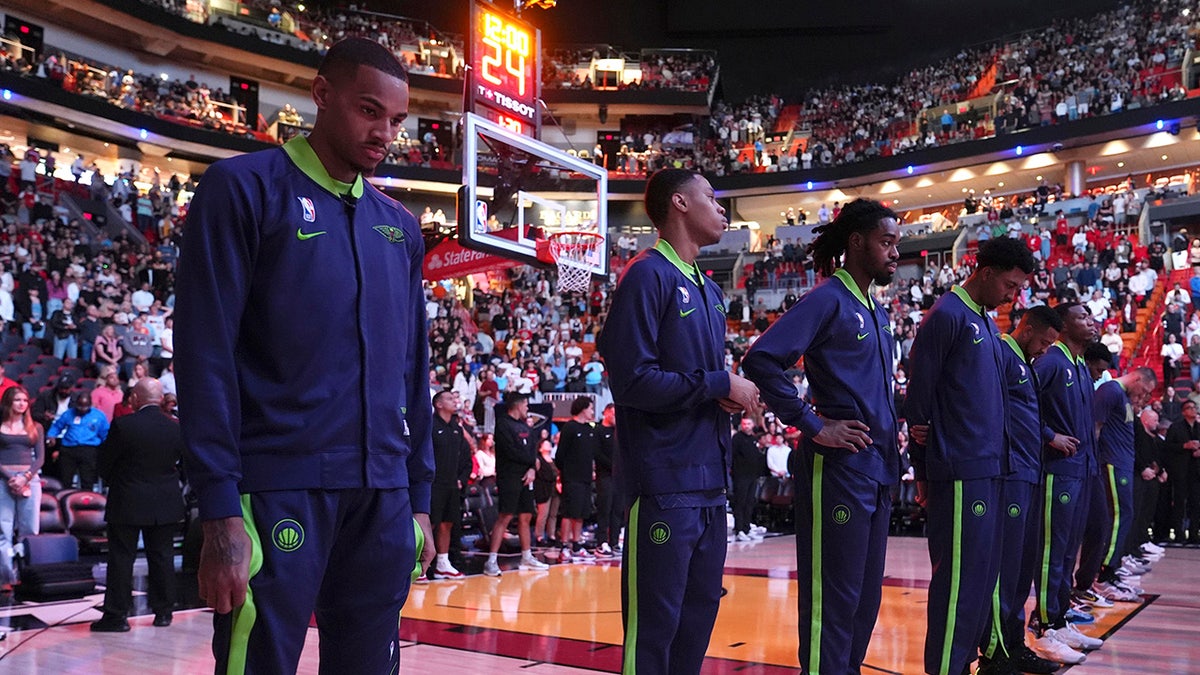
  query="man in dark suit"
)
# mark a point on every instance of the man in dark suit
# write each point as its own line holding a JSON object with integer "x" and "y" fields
{"x": 139, "y": 461}
{"x": 749, "y": 462}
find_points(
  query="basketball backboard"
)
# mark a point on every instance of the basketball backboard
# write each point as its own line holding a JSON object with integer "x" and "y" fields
{"x": 518, "y": 192}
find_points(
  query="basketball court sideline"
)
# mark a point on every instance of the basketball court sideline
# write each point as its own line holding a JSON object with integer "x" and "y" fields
{"x": 568, "y": 620}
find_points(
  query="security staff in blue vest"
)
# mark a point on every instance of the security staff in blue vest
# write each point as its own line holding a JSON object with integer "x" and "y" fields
{"x": 848, "y": 461}
{"x": 664, "y": 344}
{"x": 958, "y": 390}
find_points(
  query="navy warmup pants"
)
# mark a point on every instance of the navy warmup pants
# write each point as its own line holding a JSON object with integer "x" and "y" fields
{"x": 1110, "y": 518}
{"x": 1020, "y": 527}
{"x": 1061, "y": 506}
{"x": 841, "y": 541}
{"x": 964, "y": 529}
{"x": 670, "y": 585}
{"x": 346, "y": 555}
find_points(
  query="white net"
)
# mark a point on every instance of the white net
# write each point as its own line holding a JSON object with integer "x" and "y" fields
{"x": 576, "y": 254}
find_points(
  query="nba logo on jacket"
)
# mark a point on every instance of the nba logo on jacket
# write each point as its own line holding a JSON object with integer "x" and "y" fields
{"x": 310, "y": 211}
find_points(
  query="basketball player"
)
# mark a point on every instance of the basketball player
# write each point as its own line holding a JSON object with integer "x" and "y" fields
{"x": 1110, "y": 503}
{"x": 957, "y": 388}
{"x": 848, "y": 461}
{"x": 308, "y": 441}
{"x": 664, "y": 344}
{"x": 577, "y": 448}
{"x": 1002, "y": 649}
{"x": 1065, "y": 393}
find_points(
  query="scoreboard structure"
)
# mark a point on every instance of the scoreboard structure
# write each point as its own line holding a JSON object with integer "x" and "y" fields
{"x": 504, "y": 83}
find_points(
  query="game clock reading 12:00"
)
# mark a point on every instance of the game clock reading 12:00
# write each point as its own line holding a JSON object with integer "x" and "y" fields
{"x": 504, "y": 61}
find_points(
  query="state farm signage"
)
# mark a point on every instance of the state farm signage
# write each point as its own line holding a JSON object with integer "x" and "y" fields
{"x": 448, "y": 260}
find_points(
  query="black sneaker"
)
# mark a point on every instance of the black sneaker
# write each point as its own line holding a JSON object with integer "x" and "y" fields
{"x": 1027, "y": 662}
{"x": 1000, "y": 666}
{"x": 110, "y": 623}
{"x": 163, "y": 619}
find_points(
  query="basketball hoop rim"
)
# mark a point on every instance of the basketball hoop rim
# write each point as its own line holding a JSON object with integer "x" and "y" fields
{"x": 586, "y": 240}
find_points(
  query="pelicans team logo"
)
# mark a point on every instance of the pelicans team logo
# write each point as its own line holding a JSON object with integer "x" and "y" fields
{"x": 684, "y": 296}
{"x": 978, "y": 338}
{"x": 1064, "y": 498}
{"x": 660, "y": 533}
{"x": 1024, "y": 377}
{"x": 979, "y": 508}
{"x": 1014, "y": 510}
{"x": 310, "y": 211}
{"x": 394, "y": 235}
{"x": 841, "y": 514}
{"x": 287, "y": 535}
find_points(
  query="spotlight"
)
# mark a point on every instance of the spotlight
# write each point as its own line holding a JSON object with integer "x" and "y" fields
{"x": 7, "y": 95}
{"x": 1020, "y": 151}
{"x": 810, "y": 185}
{"x": 144, "y": 134}
{"x": 1158, "y": 125}
{"x": 909, "y": 169}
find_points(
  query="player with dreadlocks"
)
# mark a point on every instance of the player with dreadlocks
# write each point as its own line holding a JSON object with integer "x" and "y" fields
{"x": 848, "y": 461}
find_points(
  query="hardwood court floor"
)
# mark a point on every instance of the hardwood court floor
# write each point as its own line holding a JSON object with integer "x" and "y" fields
{"x": 567, "y": 621}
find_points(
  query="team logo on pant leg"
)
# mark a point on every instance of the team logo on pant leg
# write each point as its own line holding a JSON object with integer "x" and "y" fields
{"x": 287, "y": 535}
{"x": 841, "y": 514}
{"x": 1124, "y": 480}
{"x": 979, "y": 508}
{"x": 1064, "y": 498}
{"x": 660, "y": 533}
{"x": 1014, "y": 510}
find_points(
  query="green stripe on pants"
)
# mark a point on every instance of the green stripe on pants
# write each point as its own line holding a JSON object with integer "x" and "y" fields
{"x": 814, "y": 634}
{"x": 632, "y": 533}
{"x": 1042, "y": 592}
{"x": 955, "y": 573}
{"x": 997, "y": 635}
{"x": 244, "y": 616}
{"x": 1116, "y": 506}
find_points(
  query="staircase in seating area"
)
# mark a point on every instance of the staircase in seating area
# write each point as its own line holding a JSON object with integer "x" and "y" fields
{"x": 788, "y": 116}
{"x": 1149, "y": 349}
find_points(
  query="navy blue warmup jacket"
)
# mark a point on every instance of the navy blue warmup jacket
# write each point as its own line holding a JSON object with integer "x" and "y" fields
{"x": 1114, "y": 413}
{"x": 301, "y": 353}
{"x": 1024, "y": 416}
{"x": 957, "y": 386}
{"x": 1065, "y": 392}
{"x": 664, "y": 345}
{"x": 847, "y": 346}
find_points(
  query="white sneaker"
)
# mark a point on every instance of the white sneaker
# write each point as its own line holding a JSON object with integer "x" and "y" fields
{"x": 532, "y": 563}
{"x": 1070, "y": 636}
{"x": 742, "y": 536}
{"x": 1133, "y": 567}
{"x": 1133, "y": 588}
{"x": 1128, "y": 577}
{"x": 1114, "y": 592}
{"x": 491, "y": 569}
{"x": 757, "y": 529}
{"x": 1090, "y": 598}
{"x": 604, "y": 551}
{"x": 1051, "y": 649}
{"x": 564, "y": 556}
{"x": 1153, "y": 549}
{"x": 448, "y": 571}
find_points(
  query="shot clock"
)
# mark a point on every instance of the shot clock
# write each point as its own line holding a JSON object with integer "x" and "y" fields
{"x": 504, "y": 79}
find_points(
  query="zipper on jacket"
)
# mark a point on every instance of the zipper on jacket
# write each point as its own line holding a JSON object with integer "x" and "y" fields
{"x": 350, "y": 203}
